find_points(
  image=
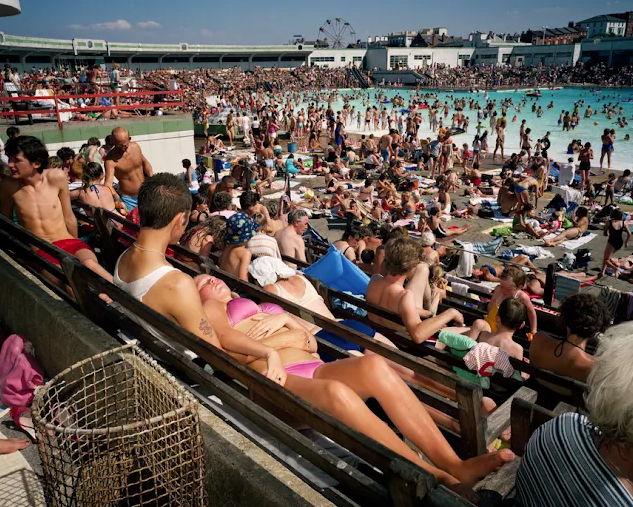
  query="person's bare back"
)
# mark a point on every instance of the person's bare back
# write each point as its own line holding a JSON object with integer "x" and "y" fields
{"x": 290, "y": 244}
{"x": 388, "y": 296}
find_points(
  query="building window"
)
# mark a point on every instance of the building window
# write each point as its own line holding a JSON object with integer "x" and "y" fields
{"x": 357, "y": 58}
{"x": 422, "y": 57}
{"x": 398, "y": 61}
{"x": 342, "y": 58}
{"x": 322, "y": 59}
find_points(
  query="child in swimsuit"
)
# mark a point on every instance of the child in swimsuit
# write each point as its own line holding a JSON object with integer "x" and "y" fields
{"x": 512, "y": 283}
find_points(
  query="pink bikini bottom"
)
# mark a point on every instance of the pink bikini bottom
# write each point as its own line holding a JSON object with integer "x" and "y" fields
{"x": 305, "y": 370}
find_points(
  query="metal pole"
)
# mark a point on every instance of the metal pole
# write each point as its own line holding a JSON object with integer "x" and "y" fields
{"x": 59, "y": 118}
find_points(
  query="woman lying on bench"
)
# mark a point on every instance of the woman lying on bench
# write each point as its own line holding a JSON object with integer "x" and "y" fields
{"x": 341, "y": 387}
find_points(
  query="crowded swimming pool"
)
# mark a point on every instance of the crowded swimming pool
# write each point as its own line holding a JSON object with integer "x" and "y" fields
{"x": 588, "y": 130}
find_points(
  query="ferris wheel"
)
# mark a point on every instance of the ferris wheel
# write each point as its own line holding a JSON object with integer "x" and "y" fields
{"x": 338, "y": 33}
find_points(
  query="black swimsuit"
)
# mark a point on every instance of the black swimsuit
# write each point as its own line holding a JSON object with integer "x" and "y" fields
{"x": 615, "y": 237}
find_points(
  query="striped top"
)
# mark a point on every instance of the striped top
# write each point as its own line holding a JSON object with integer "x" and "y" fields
{"x": 563, "y": 468}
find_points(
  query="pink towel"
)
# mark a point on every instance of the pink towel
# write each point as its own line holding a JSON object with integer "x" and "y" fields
{"x": 20, "y": 373}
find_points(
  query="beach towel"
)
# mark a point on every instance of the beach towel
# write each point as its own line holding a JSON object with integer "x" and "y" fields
{"x": 503, "y": 232}
{"x": 460, "y": 289}
{"x": 574, "y": 243}
{"x": 482, "y": 248}
{"x": 536, "y": 252}
{"x": 487, "y": 287}
{"x": 466, "y": 263}
{"x": 500, "y": 217}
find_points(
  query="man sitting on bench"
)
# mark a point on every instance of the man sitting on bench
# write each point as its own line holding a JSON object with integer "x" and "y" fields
{"x": 41, "y": 200}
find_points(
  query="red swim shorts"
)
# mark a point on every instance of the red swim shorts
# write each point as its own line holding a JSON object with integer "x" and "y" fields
{"x": 72, "y": 246}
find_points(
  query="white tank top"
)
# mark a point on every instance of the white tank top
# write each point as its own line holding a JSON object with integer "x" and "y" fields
{"x": 138, "y": 289}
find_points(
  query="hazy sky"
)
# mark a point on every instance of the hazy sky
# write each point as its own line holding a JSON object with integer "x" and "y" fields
{"x": 250, "y": 22}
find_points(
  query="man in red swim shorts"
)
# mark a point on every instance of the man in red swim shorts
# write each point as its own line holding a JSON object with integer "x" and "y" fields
{"x": 42, "y": 201}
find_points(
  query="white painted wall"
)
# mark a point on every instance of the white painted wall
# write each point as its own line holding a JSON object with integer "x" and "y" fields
{"x": 164, "y": 151}
{"x": 342, "y": 57}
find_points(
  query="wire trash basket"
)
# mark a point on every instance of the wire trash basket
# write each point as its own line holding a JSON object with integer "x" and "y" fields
{"x": 117, "y": 429}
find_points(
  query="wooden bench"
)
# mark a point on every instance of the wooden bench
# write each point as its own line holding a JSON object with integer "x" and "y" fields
{"x": 399, "y": 483}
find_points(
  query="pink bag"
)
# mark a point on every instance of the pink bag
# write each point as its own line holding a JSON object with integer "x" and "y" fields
{"x": 20, "y": 373}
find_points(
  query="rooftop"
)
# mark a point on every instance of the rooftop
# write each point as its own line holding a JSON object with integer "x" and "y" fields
{"x": 603, "y": 18}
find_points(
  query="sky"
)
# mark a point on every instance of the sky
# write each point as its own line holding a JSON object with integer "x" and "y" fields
{"x": 260, "y": 22}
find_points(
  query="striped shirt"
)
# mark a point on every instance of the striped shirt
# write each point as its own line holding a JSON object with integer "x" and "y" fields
{"x": 563, "y": 468}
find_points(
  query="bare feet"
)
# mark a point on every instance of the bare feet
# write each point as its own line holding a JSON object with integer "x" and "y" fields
{"x": 473, "y": 470}
{"x": 10, "y": 445}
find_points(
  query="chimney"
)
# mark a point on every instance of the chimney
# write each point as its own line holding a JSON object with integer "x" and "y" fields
{"x": 571, "y": 24}
{"x": 433, "y": 40}
{"x": 443, "y": 37}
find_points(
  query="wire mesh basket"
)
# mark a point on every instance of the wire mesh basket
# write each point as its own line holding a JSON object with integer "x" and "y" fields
{"x": 116, "y": 429}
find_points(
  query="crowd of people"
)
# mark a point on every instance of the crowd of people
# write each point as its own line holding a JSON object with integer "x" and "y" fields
{"x": 407, "y": 188}
{"x": 490, "y": 77}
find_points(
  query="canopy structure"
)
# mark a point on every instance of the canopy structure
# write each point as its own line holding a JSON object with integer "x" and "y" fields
{"x": 10, "y": 7}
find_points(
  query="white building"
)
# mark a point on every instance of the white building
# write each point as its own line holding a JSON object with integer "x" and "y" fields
{"x": 604, "y": 25}
{"x": 336, "y": 58}
{"x": 401, "y": 39}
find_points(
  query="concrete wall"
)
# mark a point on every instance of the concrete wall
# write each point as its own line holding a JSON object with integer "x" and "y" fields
{"x": 165, "y": 140}
{"x": 238, "y": 473}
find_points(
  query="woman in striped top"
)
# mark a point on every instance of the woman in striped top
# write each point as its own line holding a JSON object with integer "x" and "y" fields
{"x": 575, "y": 461}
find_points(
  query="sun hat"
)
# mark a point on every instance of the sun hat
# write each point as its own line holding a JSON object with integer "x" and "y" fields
{"x": 240, "y": 228}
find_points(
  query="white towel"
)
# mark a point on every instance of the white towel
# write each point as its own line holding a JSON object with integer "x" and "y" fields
{"x": 572, "y": 244}
{"x": 267, "y": 270}
{"x": 465, "y": 266}
{"x": 460, "y": 288}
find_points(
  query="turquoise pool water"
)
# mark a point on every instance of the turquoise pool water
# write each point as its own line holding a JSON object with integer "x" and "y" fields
{"x": 563, "y": 99}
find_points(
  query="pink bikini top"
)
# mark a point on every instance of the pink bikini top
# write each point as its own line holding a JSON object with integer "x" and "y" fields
{"x": 241, "y": 309}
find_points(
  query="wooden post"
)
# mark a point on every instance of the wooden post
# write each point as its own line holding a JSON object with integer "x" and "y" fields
{"x": 81, "y": 290}
{"x": 471, "y": 419}
{"x": 59, "y": 118}
{"x": 408, "y": 485}
{"x": 548, "y": 295}
{"x": 521, "y": 417}
{"x": 104, "y": 229}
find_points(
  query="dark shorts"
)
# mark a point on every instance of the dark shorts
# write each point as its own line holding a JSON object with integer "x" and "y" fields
{"x": 342, "y": 342}
{"x": 585, "y": 166}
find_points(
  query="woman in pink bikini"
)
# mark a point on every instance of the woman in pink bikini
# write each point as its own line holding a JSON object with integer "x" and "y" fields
{"x": 341, "y": 387}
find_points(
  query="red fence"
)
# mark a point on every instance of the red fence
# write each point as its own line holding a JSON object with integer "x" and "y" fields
{"x": 173, "y": 98}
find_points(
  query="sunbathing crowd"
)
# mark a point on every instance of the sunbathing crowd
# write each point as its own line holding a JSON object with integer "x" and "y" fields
{"x": 258, "y": 242}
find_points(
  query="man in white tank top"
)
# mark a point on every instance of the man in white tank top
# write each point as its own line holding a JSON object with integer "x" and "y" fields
{"x": 164, "y": 203}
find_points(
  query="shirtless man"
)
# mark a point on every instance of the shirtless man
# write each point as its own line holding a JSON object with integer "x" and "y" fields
{"x": 385, "y": 146}
{"x": 164, "y": 203}
{"x": 581, "y": 224}
{"x": 42, "y": 201}
{"x": 127, "y": 163}
{"x": 290, "y": 238}
{"x": 402, "y": 257}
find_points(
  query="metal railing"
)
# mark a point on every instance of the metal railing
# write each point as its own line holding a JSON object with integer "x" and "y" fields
{"x": 58, "y": 108}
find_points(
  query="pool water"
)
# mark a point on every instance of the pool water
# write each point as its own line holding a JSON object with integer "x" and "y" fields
{"x": 564, "y": 100}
